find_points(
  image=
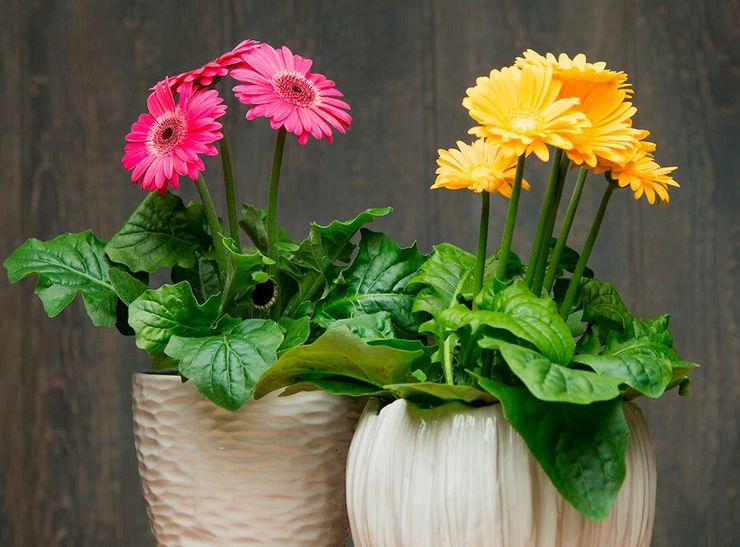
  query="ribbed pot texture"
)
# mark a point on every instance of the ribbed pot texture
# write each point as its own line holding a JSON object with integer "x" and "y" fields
{"x": 462, "y": 477}
{"x": 269, "y": 474}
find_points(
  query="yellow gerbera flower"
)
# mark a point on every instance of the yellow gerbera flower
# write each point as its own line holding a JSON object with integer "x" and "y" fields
{"x": 518, "y": 109}
{"x": 575, "y": 69}
{"x": 645, "y": 177}
{"x": 611, "y": 136}
{"x": 481, "y": 166}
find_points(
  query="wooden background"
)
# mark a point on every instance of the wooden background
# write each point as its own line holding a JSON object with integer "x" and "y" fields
{"x": 75, "y": 75}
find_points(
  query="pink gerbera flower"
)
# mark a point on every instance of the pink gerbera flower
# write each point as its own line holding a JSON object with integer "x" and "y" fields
{"x": 217, "y": 68}
{"x": 279, "y": 86}
{"x": 166, "y": 142}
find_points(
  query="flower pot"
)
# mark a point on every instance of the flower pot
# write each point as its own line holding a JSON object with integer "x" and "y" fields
{"x": 461, "y": 476}
{"x": 269, "y": 474}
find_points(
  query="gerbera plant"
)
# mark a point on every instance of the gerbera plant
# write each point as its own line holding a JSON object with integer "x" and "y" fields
{"x": 232, "y": 308}
{"x": 549, "y": 341}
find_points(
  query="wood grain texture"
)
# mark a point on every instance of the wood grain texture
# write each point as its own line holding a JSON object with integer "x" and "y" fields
{"x": 75, "y": 74}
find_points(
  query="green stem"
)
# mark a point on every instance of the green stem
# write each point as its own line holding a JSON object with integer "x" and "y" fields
{"x": 547, "y": 236}
{"x": 503, "y": 253}
{"x": 449, "y": 348}
{"x": 547, "y": 203}
{"x": 575, "y": 281}
{"x": 229, "y": 188}
{"x": 272, "y": 198}
{"x": 272, "y": 227}
{"x": 480, "y": 264}
{"x": 215, "y": 226}
{"x": 570, "y": 214}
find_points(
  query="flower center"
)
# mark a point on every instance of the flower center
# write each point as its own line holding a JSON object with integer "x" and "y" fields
{"x": 294, "y": 88}
{"x": 523, "y": 121}
{"x": 166, "y": 133}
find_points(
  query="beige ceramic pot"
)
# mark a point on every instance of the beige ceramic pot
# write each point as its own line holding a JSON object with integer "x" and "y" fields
{"x": 269, "y": 474}
{"x": 455, "y": 476}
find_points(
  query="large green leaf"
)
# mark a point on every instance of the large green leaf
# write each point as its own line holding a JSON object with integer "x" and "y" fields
{"x": 552, "y": 382}
{"x": 339, "y": 355}
{"x": 203, "y": 276}
{"x": 377, "y": 280}
{"x": 160, "y": 233}
{"x": 428, "y": 394}
{"x": 66, "y": 265}
{"x": 581, "y": 448}
{"x": 601, "y": 303}
{"x": 643, "y": 356}
{"x": 518, "y": 311}
{"x": 225, "y": 368}
{"x": 443, "y": 276}
{"x": 244, "y": 265}
{"x": 159, "y": 314}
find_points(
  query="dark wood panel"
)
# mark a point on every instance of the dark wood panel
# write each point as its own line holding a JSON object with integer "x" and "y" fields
{"x": 74, "y": 77}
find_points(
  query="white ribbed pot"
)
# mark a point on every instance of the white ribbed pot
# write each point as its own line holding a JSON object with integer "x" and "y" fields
{"x": 458, "y": 476}
{"x": 270, "y": 474}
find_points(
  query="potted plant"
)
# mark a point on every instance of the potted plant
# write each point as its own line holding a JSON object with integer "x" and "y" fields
{"x": 515, "y": 424}
{"x": 217, "y": 467}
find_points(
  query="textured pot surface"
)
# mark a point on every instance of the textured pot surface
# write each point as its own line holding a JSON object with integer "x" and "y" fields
{"x": 458, "y": 476}
{"x": 270, "y": 474}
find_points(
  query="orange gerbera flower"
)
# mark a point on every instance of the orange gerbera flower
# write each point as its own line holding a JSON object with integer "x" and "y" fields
{"x": 611, "y": 136}
{"x": 575, "y": 69}
{"x": 481, "y": 166}
{"x": 644, "y": 176}
{"x": 519, "y": 110}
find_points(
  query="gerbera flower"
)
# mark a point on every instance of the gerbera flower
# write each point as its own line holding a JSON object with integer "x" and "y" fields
{"x": 644, "y": 176}
{"x": 611, "y": 136}
{"x": 166, "y": 142}
{"x": 519, "y": 110}
{"x": 279, "y": 86}
{"x": 575, "y": 69}
{"x": 481, "y": 166}
{"x": 217, "y": 68}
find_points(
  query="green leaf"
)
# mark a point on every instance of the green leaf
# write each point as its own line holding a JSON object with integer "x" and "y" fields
{"x": 244, "y": 265}
{"x": 203, "y": 276}
{"x": 160, "y": 233}
{"x": 254, "y": 223}
{"x": 642, "y": 356}
{"x": 443, "y": 275}
{"x": 569, "y": 259}
{"x": 428, "y": 394}
{"x": 601, "y": 302}
{"x": 517, "y": 310}
{"x": 377, "y": 280}
{"x": 225, "y": 368}
{"x": 333, "y": 241}
{"x": 160, "y": 361}
{"x": 66, "y": 265}
{"x": 127, "y": 287}
{"x": 339, "y": 355}
{"x": 551, "y": 382}
{"x": 159, "y": 314}
{"x": 581, "y": 448}
{"x": 368, "y": 325}
{"x": 296, "y": 332}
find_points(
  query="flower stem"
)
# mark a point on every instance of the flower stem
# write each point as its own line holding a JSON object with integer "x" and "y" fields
{"x": 547, "y": 203}
{"x": 215, "y": 226}
{"x": 575, "y": 280}
{"x": 480, "y": 264}
{"x": 229, "y": 188}
{"x": 449, "y": 348}
{"x": 272, "y": 198}
{"x": 570, "y": 214}
{"x": 510, "y": 221}
{"x": 272, "y": 203}
{"x": 539, "y": 275}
